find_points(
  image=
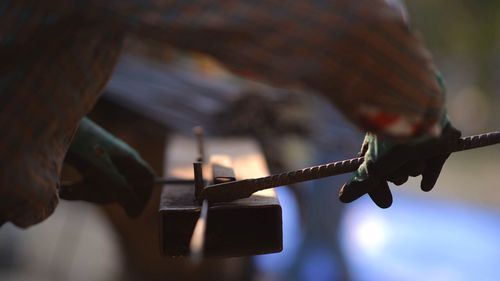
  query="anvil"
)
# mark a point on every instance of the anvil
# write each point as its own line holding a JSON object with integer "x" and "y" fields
{"x": 248, "y": 226}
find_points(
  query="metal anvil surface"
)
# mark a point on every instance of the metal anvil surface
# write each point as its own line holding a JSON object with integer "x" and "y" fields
{"x": 243, "y": 227}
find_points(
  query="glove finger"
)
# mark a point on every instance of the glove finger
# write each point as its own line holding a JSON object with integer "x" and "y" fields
{"x": 381, "y": 195}
{"x": 432, "y": 171}
{"x": 75, "y": 191}
{"x": 441, "y": 144}
{"x": 434, "y": 165}
{"x": 387, "y": 163}
{"x": 398, "y": 178}
{"x": 140, "y": 179}
{"x": 86, "y": 192}
{"x": 415, "y": 168}
{"x": 391, "y": 161}
{"x": 69, "y": 192}
{"x": 412, "y": 168}
{"x": 364, "y": 149}
{"x": 450, "y": 132}
{"x": 133, "y": 169}
{"x": 355, "y": 189}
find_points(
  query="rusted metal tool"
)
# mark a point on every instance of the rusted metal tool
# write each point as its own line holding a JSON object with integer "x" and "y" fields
{"x": 226, "y": 192}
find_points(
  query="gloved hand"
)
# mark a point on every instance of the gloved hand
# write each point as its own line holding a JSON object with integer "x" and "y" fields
{"x": 395, "y": 163}
{"x": 111, "y": 170}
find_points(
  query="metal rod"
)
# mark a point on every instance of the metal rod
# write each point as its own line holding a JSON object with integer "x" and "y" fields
{"x": 198, "y": 238}
{"x": 200, "y": 143}
{"x": 225, "y": 192}
{"x": 198, "y": 179}
{"x": 174, "y": 181}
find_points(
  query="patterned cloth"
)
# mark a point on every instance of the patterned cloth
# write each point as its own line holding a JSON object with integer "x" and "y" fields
{"x": 56, "y": 56}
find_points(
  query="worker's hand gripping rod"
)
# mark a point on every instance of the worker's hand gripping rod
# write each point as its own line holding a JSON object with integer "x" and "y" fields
{"x": 230, "y": 191}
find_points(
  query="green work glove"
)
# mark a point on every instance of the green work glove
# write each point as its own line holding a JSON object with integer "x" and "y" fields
{"x": 111, "y": 170}
{"x": 395, "y": 163}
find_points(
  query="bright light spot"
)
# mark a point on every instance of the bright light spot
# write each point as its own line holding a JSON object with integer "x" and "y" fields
{"x": 371, "y": 235}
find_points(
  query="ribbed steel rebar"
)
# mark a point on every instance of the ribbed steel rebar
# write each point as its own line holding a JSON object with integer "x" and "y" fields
{"x": 476, "y": 141}
{"x": 244, "y": 188}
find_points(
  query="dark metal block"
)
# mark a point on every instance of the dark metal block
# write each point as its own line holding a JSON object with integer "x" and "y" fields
{"x": 243, "y": 227}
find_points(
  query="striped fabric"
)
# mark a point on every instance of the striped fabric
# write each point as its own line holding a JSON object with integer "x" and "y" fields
{"x": 360, "y": 54}
{"x": 46, "y": 85}
{"x": 56, "y": 56}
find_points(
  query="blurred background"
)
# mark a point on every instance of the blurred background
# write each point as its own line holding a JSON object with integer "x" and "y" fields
{"x": 451, "y": 233}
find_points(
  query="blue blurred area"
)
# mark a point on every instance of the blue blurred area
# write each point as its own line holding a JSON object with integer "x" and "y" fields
{"x": 310, "y": 252}
{"x": 304, "y": 256}
{"x": 416, "y": 239}
{"x": 316, "y": 252}
{"x": 279, "y": 263}
{"x": 419, "y": 239}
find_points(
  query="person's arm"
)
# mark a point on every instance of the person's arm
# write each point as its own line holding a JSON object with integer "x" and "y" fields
{"x": 52, "y": 72}
{"x": 362, "y": 55}
{"x": 359, "y": 54}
